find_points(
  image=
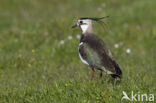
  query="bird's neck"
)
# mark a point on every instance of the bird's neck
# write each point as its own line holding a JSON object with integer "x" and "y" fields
{"x": 86, "y": 29}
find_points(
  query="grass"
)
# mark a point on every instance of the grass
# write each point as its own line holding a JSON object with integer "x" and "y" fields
{"x": 35, "y": 68}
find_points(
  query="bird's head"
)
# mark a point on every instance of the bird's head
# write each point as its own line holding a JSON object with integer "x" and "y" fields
{"x": 83, "y": 23}
{"x": 86, "y": 23}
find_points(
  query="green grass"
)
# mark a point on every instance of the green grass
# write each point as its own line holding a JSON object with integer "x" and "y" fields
{"x": 35, "y": 68}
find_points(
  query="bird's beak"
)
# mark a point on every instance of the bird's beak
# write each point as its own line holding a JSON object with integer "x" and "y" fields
{"x": 74, "y": 26}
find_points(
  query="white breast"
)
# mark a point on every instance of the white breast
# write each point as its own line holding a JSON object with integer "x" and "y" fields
{"x": 84, "y": 61}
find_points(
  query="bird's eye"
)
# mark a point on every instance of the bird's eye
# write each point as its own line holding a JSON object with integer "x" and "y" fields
{"x": 81, "y": 22}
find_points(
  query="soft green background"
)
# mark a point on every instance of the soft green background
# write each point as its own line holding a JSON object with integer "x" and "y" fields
{"x": 35, "y": 68}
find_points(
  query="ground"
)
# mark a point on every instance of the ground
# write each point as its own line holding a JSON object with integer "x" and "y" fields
{"x": 39, "y": 60}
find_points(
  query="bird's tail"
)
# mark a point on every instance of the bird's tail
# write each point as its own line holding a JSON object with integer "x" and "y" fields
{"x": 118, "y": 74}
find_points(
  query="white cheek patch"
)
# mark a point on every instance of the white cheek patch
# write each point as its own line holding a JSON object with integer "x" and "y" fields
{"x": 84, "y": 28}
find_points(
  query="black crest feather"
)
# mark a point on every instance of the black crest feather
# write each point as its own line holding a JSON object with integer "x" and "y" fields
{"x": 94, "y": 18}
{"x": 98, "y": 20}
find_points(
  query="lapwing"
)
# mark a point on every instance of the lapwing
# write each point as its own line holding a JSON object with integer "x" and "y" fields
{"x": 94, "y": 52}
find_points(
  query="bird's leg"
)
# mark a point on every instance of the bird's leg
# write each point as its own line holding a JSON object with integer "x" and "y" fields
{"x": 101, "y": 75}
{"x": 93, "y": 72}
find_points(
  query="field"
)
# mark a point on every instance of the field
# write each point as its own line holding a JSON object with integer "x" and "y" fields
{"x": 39, "y": 60}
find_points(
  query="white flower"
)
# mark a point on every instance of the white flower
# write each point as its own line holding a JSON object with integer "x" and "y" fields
{"x": 62, "y": 42}
{"x": 78, "y": 36}
{"x": 29, "y": 65}
{"x": 20, "y": 55}
{"x": 99, "y": 9}
{"x": 116, "y": 45}
{"x": 128, "y": 50}
{"x": 70, "y": 37}
{"x": 121, "y": 43}
{"x": 103, "y": 5}
{"x": 125, "y": 25}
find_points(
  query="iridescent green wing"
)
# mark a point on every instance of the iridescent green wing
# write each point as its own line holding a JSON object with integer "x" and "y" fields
{"x": 107, "y": 50}
{"x": 92, "y": 56}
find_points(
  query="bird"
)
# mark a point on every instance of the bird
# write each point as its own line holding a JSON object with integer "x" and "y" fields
{"x": 94, "y": 52}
